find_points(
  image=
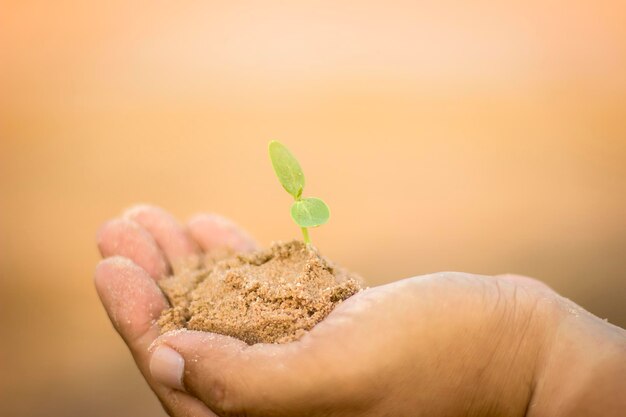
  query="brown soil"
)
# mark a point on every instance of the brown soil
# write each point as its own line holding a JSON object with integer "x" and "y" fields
{"x": 269, "y": 296}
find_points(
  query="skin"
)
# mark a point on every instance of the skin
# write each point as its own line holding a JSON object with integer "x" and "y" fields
{"x": 446, "y": 344}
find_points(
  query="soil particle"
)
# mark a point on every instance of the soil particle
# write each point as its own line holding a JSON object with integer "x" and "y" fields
{"x": 269, "y": 296}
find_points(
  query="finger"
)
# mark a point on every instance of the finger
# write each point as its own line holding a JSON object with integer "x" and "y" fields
{"x": 123, "y": 237}
{"x": 179, "y": 404}
{"x": 179, "y": 248}
{"x": 212, "y": 232}
{"x": 297, "y": 378}
{"x": 232, "y": 377}
{"x": 133, "y": 301}
{"x": 131, "y": 298}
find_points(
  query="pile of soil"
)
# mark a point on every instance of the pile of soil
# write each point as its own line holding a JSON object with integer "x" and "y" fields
{"x": 268, "y": 296}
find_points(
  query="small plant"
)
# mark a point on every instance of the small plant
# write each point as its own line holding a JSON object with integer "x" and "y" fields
{"x": 306, "y": 212}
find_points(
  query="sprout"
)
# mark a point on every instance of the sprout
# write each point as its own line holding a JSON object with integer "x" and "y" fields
{"x": 306, "y": 212}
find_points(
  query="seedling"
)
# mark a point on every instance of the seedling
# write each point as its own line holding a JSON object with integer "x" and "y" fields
{"x": 306, "y": 212}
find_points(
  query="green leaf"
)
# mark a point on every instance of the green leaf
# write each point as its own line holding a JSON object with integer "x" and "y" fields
{"x": 310, "y": 212}
{"x": 287, "y": 169}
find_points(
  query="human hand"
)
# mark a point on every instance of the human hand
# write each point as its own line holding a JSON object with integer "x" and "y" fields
{"x": 441, "y": 344}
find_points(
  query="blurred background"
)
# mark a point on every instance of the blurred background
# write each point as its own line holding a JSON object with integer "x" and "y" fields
{"x": 486, "y": 138}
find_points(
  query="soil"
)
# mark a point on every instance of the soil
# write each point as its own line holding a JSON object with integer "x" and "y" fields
{"x": 269, "y": 296}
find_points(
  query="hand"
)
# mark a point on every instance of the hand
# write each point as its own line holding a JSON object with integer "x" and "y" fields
{"x": 436, "y": 345}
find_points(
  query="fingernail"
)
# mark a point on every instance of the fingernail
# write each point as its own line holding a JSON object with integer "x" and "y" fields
{"x": 167, "y": 367}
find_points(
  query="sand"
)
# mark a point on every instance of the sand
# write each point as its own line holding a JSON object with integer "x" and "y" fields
{"x": 269, "y": 296}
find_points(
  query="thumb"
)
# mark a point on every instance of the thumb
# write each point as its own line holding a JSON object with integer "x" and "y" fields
{"x": 233, "y": 378}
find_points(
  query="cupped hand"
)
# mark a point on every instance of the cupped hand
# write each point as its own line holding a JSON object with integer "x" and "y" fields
{"x": 436, "y": 345}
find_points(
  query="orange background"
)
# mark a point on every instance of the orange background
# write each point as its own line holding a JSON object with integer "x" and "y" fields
{"x": 483, "y": 138}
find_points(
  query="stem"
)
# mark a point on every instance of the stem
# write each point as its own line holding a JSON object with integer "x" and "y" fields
{"x": 305, "y": 232}
{"x": 305, "y": 235}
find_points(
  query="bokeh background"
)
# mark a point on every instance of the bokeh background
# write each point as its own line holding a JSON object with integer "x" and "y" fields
{"x": 480, "y": 137}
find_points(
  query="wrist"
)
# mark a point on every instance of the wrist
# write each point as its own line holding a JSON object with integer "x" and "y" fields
{"x": 583, "y": 370}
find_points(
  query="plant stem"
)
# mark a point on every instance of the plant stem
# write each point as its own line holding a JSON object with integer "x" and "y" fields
{"x": 305, "y": 235}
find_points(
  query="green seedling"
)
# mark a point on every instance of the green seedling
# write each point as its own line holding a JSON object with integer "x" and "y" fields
{"x": 306, "y": 212}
